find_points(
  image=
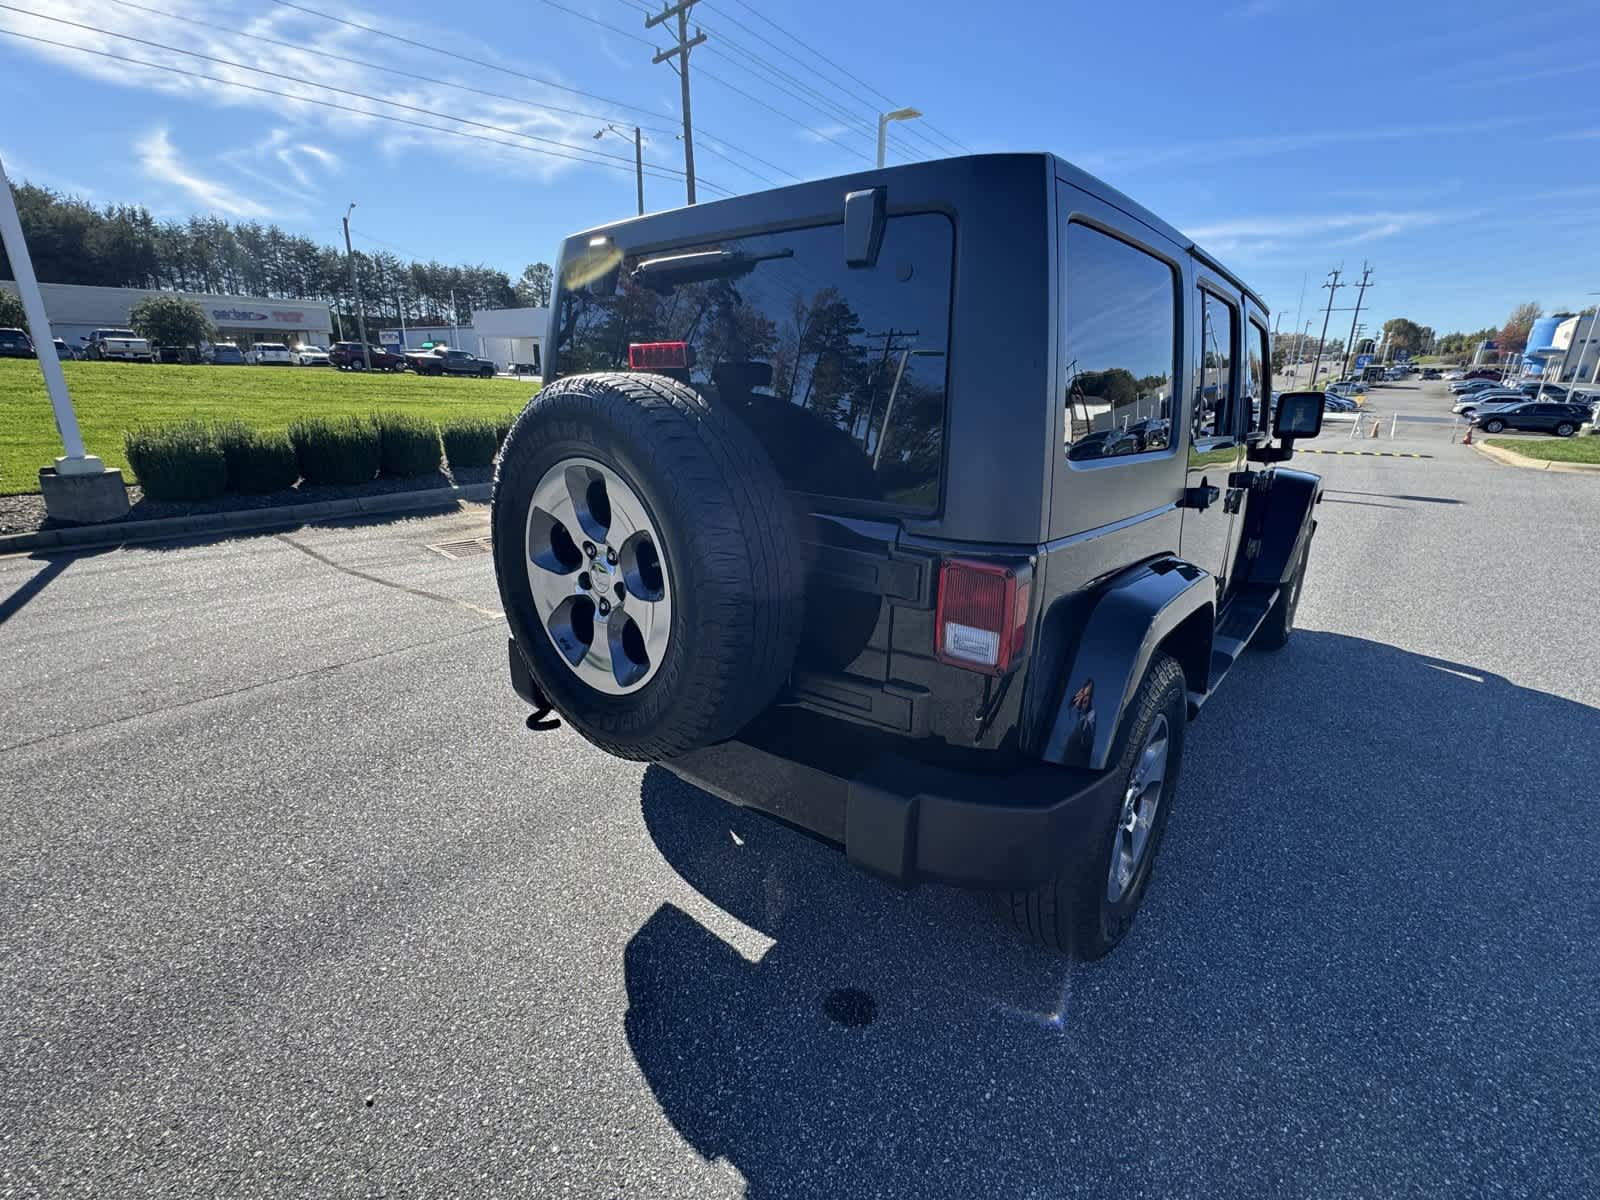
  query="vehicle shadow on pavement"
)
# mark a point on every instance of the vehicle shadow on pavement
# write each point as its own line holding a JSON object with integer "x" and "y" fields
{"x": 1365, "y": 967}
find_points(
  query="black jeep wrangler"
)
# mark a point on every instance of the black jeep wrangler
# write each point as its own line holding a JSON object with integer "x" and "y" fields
{"x": 920, "y": 509}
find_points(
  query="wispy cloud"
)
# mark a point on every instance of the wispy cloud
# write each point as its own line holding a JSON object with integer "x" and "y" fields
{"x": 236, "y": 34}
{"x": 1231, "y": 149}
{"x": 158, "y": 158}
{"x": 1254, "y": 236}
{"x": 822, "y": 133}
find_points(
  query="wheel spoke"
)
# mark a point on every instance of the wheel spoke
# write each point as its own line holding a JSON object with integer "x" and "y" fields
{"x": 550, "y": 589}
{"x": 640, "y": 562}
{"x": 586, "y": 489}
{"x": 571, "y": 626}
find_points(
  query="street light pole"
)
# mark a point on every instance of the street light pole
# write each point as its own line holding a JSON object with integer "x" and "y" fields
{"x": 899, "y": 114}
{"x": 355, "y": 287}
{"x": 638, "y": 155}
{"x": 80, "y": 488}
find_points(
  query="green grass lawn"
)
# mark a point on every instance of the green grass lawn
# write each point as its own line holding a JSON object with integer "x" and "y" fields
{"x": 1578, "y": 449}
{"x": 113, "y": 397}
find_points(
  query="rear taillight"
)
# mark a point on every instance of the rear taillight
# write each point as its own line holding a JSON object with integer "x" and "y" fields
{"x": 659, "y": 356}
{"x": 982, "y": 615}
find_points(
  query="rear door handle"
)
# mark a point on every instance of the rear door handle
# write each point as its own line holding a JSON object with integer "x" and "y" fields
{"x": 1200, "y": 498}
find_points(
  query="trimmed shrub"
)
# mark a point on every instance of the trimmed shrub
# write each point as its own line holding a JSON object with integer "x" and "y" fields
{"x": 176, "y": 462}
{"x": 469, "y": 442}
{"x": 257, "y": 461}
{"x": 336, "y": 450}
{"x": 503, "y": 426}
{"x": 408, "y": 444}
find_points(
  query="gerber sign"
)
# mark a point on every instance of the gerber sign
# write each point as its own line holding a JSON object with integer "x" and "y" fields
{"x": 277, "y": 316}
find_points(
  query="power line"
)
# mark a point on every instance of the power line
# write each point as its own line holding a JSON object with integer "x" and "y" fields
{"x": 841, "y": 70}
{"x": 583, "y": 16}
{"x": 656, "y": 128}
{"x": 227, "y": 62}
{"x": 534, "y": 106}
{"x": 733, "y": 87}
{"x": 378, "y": 116}
{"x": 467, "y": 58}
{"x": 817, "y": 133}
{"x": 835, "y": 110}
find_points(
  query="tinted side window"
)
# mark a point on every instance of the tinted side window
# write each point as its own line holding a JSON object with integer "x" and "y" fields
{"x": 839, "y": 371}
{"x": 1260, "y": 359}
{"x": 1219, "y": 326}
{"x": 1121, "y": 344}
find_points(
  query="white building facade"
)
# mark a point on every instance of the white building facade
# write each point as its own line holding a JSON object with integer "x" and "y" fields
{"x": 509, "y": 337}
{"x": 76, "y": 310}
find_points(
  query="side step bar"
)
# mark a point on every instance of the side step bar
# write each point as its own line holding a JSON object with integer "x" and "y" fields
{"x": 1243, "y": 616}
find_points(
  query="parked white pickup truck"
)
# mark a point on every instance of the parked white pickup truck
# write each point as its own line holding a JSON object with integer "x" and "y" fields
{"x": 121, "y": 344}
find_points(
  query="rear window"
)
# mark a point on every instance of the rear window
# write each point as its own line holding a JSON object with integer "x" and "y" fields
{"x": 840, "y": 371}
{"x": 12, "y": 337}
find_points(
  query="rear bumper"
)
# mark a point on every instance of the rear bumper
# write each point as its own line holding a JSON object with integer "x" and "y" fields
{"x": 907, "y": 821}
{"x": 903, "y": 820}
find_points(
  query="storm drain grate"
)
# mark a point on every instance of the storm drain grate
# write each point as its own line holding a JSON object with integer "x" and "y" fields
{"x": 471, "y": 548}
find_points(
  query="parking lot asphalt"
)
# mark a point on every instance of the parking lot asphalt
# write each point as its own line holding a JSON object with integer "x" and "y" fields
{"x": 293, "y": 904}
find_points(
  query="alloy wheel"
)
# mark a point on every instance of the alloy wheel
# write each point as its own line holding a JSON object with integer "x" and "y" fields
{"x": 598, "y": 575}
{"x": 1140, "y": 801}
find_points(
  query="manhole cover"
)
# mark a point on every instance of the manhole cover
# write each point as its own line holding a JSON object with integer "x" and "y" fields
{"x": 471, "y": 548}
{"x": 850, "y": 1007}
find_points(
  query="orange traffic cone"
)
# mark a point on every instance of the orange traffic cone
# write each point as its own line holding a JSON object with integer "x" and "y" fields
{"x": 1467, "y": 441}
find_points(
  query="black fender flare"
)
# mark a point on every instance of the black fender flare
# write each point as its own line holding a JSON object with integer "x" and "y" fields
{"x": 1287, "y": 520}
{"x": 1133, "y": 615}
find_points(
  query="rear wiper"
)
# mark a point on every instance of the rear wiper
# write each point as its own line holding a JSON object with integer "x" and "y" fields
{"x": 666, "y": 272}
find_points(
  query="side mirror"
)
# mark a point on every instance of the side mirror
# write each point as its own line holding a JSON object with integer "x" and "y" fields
{"x": 1299, "y": 415}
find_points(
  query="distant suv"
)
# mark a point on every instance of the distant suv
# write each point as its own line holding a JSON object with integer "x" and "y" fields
{"x": 1561, "y": 419}
{"x": 919, "y": 508}
{"x": 15, "y": 343}
{"x": 347, "y": 356}
{"x": 443, "y": 361}
{"x": 271, "y": 354}
{"x": 120, "y": 345}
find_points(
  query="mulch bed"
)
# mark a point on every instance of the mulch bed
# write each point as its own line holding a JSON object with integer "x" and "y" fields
{"x": 25, "y": 514}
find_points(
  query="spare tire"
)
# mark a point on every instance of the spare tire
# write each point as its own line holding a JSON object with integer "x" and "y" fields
{"x": 648, "y": 562}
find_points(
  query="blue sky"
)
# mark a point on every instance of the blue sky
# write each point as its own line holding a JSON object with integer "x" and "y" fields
{"x": 1455, "y": 146}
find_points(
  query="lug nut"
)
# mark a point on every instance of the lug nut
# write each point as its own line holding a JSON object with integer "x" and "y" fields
{"x": 583, "y": 580}
{"x": 588, "y": 549}
{"x": 611, "y": 556}
{"x": 605, "y": 607}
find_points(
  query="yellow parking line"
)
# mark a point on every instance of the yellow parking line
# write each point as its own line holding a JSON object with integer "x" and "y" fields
{"x": 1368, "y": 453}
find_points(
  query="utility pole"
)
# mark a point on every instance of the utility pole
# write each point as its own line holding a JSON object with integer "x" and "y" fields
{"x": 681, "y": 52}
{"x": 361, "y": 311}
{"x": 1332, "y": 285}
{"x": 1366, "y": 276}
{"x": 400, "y": 308}
{"x": 638, "y": 155}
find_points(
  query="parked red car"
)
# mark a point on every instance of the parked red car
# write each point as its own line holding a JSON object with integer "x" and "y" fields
{"x": 347, "y": 357}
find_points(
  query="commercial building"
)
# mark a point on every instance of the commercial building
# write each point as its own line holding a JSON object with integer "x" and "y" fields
{"x": 75, "y": 310}
{"x": 508, "y": 337}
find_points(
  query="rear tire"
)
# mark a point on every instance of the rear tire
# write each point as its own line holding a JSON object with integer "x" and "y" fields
{"x": 1279, "y": 624}
{"x": 1087, "y": 909}
{"x": 714, "y": 591}
{"x": 1493, "y": 426}
{"x": 1566, "y": 429}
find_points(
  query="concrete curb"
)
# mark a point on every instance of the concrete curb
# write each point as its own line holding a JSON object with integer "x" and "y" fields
{"x": 245, "y": 520}
{"x": 1512, "y": 459}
